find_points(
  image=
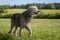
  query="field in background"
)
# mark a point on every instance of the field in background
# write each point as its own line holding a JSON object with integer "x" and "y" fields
{"x": 12, "y": 11}
{"x": 44, "y": 11}
{"x": 43, "y": 29}
{"x": 47, "y": 11}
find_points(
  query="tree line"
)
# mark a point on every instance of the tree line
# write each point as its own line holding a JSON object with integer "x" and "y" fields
{"x": 39, "y": 5}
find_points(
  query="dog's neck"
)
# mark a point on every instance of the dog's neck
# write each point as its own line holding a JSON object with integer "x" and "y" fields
{"x": 27, "y": 14}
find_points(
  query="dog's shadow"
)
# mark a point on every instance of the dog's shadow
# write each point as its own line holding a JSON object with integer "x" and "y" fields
{"x": 5, "y": 36}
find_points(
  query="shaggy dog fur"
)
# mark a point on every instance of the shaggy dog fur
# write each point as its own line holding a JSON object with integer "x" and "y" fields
{"x": 23, "y": 20}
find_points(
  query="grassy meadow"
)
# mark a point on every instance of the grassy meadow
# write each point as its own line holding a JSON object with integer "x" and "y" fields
{"x": 12, "y": 11}
{"x": 50, "y": 11}
{"x": 44, "y": 13}
{"x": 43, "y": 29}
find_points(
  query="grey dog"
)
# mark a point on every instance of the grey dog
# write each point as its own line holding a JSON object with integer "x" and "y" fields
{"x": 23, "y": 20}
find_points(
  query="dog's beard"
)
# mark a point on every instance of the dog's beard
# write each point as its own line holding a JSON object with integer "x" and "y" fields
{"x": 34, "y": 15}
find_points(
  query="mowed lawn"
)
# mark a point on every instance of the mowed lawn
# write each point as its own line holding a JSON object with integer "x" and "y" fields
{"x": 43, "y": 29}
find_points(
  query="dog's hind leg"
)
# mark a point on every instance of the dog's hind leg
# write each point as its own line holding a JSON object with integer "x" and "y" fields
{"x": 11, "y": 29}
{"x": 12, "y": 26}
{"x": 15, "y": 30}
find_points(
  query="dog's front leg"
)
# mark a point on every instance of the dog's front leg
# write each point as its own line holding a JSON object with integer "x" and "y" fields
{"x": 29, "y": 29}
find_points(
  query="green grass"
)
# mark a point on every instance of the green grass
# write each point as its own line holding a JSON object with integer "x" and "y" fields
{"x": 11, "y": 11}
{"x": 43, "y": 29}
{"x": 50, "y": 11}
{"x": 45, "y": 11}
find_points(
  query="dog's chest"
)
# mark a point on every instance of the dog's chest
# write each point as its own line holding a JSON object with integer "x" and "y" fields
{"x": 28, "y": 20}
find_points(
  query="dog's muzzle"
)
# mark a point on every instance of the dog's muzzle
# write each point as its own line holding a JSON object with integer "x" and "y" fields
{"x": 37, "y": 12}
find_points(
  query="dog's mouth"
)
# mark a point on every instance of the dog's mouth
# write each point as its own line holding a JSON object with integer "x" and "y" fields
{"x": 37, "y": 12}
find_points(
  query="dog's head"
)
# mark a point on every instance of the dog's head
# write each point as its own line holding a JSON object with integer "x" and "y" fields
{"x": 33, "y": 9}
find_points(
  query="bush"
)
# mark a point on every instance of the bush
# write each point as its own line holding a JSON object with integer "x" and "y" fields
{"x": 2, "y": 10}
{"x": 49, "y": 16}
{"x": 57, "y": 15}
{"x": 41, "y": 15}
{"x": 6, "y": 16}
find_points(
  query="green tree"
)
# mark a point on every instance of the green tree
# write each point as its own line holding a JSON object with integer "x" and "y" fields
{"x": 52, "y": 6}
{"x": 1, "y": 10}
